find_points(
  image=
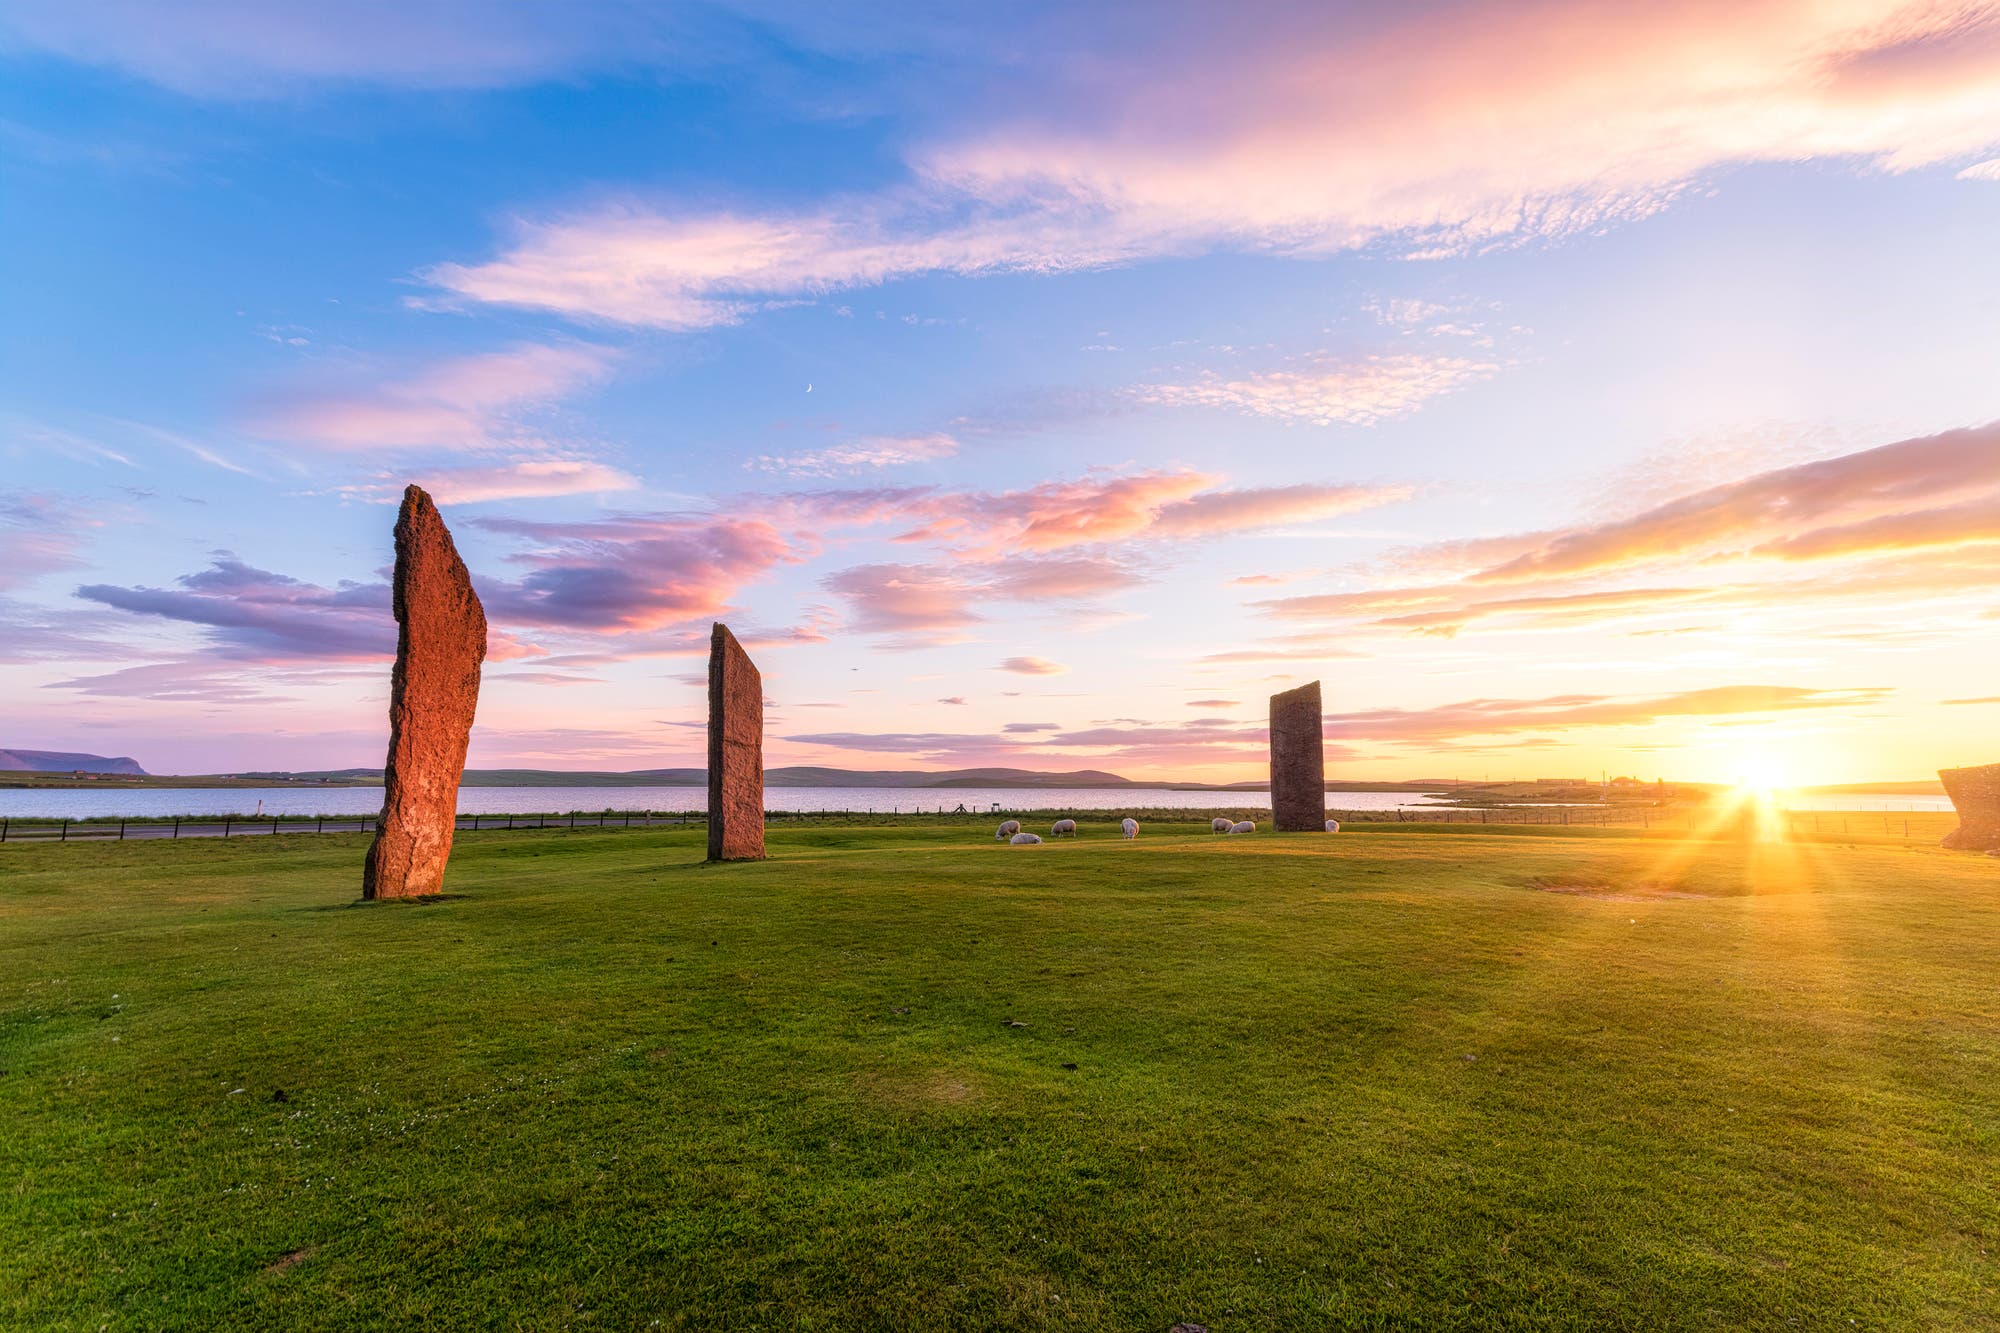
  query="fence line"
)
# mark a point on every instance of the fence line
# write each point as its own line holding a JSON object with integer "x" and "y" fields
{"x": 1688, "y": 819}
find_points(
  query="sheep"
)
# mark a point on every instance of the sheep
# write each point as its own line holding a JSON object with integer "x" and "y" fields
{"x": 1221, "y": 825}
{"x": 1333, "y": 826}
{"x": 1062, "y": 826}
{"x": 1026, "y": 840}
{"x": 1244, "y": 827}
{"x": 1131, "y": 827}
{"x": 1012, "y": 826}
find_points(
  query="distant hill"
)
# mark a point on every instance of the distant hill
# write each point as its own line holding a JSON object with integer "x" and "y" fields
{"x": 61, "y": 761}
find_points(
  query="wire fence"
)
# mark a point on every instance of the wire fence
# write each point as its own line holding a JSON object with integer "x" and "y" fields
{"x": 1690, "y": 819}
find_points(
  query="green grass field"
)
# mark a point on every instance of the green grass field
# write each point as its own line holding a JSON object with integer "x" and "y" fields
{"x": 900, "y": 1078}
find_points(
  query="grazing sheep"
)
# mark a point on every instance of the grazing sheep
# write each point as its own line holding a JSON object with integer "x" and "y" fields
{"x": 1245, "y": 826}
{"x": 1062, "y": 826}
{"x": 1026, "y": 840}
{"x": 1131, "y": 827}
{"x": 1221, "y": 825}
{"x": 1012, "y": 826}
{"x": 1333, "y": 826}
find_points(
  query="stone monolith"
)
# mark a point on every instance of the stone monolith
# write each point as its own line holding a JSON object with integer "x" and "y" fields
{"x": 1975, "y": 794}
{"x": 440, "y": 642}
{"x": 1298, "y": 762}
{"x": 735, "y": 751}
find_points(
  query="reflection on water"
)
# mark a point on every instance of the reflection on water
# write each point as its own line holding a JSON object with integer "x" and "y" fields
{"x": 144, "y": 802}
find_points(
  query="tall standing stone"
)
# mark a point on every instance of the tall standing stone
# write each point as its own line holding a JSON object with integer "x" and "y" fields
{"x": 440, "y": 642}
{"x": 735, "y": 751}
{"x": 1298, "y": 762}
{"x": 1975, "y": 793}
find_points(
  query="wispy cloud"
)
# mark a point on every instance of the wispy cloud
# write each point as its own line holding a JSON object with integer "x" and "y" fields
{"x": 542, "y": 478}
{"x": 39, "y": 534}
{"x": 873, "y": 451}
{"x": 1327, "y": 391}
{"x": 630, "y": 572}
{"x": 1825, "y": 535}
{"x": 255, "y": 617}
{"x": 471, "y": 402}
{"x": 1303, "y": 132}
{"x": 1475, "y": 718}
{"x": 1032, "y": 666}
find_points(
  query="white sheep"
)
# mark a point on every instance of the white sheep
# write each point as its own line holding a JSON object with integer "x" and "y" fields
{"x": 1221, "y": 825}
{"x": 1062, "y": 826}
{"x": 1333, "y": 826}
{"x": 1244, "y": 827}
{"x": 1131, "y": 827}
{"x": 1026, "y": 840}
{"x": 1010, "y": 827}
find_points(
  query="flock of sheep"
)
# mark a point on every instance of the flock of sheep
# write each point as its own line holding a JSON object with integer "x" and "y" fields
{"x": 1011, "y": 832}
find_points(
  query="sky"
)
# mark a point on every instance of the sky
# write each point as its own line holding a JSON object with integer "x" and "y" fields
{"x": 1570, "y": 388}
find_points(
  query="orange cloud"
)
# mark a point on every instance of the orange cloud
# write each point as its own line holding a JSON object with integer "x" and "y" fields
{"x": 1876, "y": 484}
{"x": 1497, "y": 717}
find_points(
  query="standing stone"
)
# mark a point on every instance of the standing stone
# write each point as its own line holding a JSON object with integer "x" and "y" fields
{"x": 735, "y": 752}
{"x": 1298, "y": 762}
{"x": 440, "y": 642}
{"x": 1975, "y": 793}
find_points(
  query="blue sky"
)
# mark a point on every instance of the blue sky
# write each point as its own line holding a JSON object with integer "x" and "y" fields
{"x": 1567, "y": 390}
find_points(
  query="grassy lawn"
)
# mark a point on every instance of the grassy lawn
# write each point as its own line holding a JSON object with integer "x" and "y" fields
{"x": 902, "y": 1078}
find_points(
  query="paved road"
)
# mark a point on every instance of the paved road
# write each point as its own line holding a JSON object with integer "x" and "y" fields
{"x": 241, "y": 828}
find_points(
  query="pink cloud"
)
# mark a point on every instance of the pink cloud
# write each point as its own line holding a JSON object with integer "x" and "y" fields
{"x": 1095, "y": 510}
{"x": 1325, "y": 391}
{"x": 873, "y": 451}
{"x": 630, "y": 572}
{"x": 530, "y": 479}
{"x": 921, "y": 604}
{"x": 1032, "y": 666}
{"x": 39, "y": 534}
{"x": 469, "y": 402}
{"x": 1308, "y": 130}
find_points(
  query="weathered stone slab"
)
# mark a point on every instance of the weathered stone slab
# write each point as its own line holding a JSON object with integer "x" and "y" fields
{"x": 440, "y": 642}
{"x": 1975, "y": 793}
{"x": 1298, "y": 762}
{"x": 735, "y": 751}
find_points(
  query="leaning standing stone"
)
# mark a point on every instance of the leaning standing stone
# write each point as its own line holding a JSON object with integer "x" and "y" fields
{"x": 440, "y": 642}
{"x": 735, "y": 752}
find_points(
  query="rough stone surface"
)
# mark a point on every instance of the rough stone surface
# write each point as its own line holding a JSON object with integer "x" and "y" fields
{"x": 440, "y": 642}
{"x": 735, "y": 751}
{"x": 1298, "y": 762}
{"x": 1975, "y": 793}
